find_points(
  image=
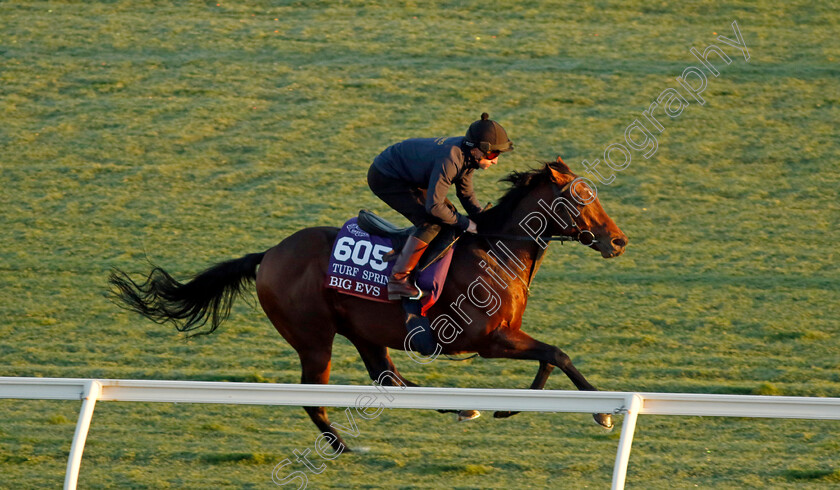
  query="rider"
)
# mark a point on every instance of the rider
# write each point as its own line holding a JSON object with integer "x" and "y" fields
{"x": 414, "y": 176}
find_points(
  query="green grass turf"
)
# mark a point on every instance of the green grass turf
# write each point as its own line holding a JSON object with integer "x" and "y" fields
{"x": 190, "y": 133}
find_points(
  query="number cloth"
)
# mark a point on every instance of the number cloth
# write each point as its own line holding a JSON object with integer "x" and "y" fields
{"x": 356, "y": 267}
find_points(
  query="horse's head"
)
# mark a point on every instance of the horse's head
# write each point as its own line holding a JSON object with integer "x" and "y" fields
{"x": 553, "y": 201}
{"x": 577, "y": 204}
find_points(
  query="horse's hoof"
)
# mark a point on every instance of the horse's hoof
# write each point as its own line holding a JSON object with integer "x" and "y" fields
{"x": 465, "y": 415}
{"x": 503, "y": 414}
{"x": 605, "y": 420}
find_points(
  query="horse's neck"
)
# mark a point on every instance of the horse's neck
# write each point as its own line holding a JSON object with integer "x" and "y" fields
{"x": 507, "y": 260}
{"x": 505, "y": 252}
{"x": 523, "y": 254}
{"x": 513, "y": 224}
{"x": 520, "y": 258}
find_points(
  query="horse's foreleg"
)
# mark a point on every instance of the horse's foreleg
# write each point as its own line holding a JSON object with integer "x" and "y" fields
{"x": 539, "y": 383}
{"x": 379, "y": 365}
{"x": 515, "y": 344}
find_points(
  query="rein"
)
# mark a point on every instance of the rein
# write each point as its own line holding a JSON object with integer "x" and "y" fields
{"x": 545, "y": 238}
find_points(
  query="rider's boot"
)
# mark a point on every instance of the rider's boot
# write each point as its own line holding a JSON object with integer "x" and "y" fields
{"x": 399, "y": 284}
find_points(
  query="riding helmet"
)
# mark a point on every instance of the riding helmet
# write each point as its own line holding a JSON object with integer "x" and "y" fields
{"x": 488, "y": 136}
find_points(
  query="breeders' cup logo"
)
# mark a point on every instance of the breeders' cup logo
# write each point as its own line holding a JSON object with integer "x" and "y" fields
{"x": 354, "y": 229}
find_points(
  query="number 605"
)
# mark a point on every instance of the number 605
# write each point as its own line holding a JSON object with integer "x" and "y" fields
{"x": 361, "y": 252}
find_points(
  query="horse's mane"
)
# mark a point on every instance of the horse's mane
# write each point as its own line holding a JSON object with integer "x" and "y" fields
{"x": 521, "y": 184}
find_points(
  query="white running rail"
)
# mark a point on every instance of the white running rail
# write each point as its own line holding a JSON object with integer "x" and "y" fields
{"x": 631, "y": 404}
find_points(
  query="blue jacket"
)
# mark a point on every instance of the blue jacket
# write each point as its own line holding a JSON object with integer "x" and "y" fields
{"x": 434, "y": 164}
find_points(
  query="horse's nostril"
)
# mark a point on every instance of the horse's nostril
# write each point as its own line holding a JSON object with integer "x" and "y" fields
{"x": 619, "y": 242}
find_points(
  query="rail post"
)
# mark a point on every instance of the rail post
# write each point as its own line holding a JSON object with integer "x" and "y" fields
{"x": 92, "y": 392}
{"x": 628, "y": 428}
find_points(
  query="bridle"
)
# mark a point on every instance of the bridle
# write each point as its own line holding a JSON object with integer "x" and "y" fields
{"x": 585, "y": 237}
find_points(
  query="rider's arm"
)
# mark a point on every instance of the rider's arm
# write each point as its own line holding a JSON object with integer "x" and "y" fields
{"x": 439, "y": 183}
{"x": 466, "y": 194}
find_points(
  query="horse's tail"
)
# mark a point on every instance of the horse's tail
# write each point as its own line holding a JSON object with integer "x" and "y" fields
{"x": 208, "y": 296}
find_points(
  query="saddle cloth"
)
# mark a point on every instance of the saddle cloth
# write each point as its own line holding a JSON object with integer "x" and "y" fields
{"x": 356, "y": 267}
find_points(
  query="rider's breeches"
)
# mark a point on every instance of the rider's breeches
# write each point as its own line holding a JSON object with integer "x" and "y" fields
{"x": 408, "y": 200}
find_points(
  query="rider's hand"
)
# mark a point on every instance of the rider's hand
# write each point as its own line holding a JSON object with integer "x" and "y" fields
{"x": 472, "y": 228}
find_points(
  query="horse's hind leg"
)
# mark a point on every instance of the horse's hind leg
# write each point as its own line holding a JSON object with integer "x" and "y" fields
{"x": 315, "y": 350}
{"x": 539, "y": 383}
{"x": 315, "y": 366}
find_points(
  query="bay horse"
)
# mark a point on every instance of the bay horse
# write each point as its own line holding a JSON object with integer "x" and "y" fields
{"x": 503, "y": 258}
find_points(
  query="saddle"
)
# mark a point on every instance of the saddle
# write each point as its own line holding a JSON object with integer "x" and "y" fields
{"x": 376, "y": 225}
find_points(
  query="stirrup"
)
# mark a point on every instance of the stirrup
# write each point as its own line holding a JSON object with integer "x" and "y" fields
{"x": 396, "y": 297}
{"x": 419, "y": 292}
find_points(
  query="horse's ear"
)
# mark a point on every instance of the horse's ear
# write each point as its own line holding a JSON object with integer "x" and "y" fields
{"x": 560, "y": 172}
{"x": 561, "y": 165}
